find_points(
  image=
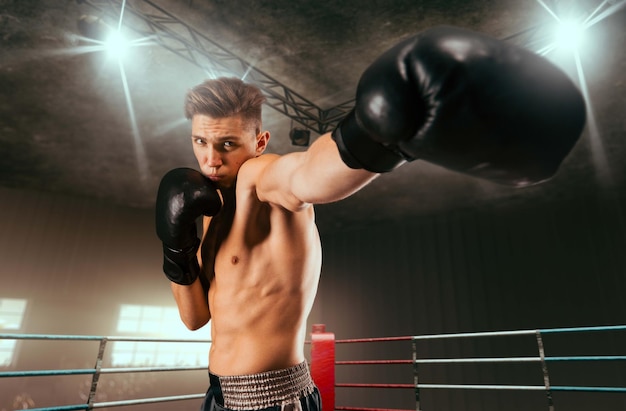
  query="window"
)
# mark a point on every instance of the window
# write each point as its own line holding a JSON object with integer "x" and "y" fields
{"x": 11, "y": 316}
{"x": 158, "y": 322}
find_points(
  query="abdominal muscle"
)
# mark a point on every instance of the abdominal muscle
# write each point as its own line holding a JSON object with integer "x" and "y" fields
{"x": 260, "y": 299}
{"x": 256, "y": 336}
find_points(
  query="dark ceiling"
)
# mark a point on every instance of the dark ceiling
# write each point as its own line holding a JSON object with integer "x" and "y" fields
{"x": 67, "y": 126}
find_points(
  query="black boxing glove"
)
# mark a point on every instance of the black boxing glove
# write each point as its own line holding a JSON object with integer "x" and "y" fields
{"x": 464, "y": 101}
{"x": 184, "y": 195}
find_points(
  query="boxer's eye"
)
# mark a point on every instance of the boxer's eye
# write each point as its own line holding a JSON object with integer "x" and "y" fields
{"x": 199, "y": 141}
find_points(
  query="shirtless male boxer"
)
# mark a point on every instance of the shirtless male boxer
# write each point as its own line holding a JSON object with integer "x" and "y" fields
{"x": 450, "y": 96}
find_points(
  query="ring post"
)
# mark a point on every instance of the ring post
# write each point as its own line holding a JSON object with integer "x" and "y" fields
{"x": 323, "y": 364}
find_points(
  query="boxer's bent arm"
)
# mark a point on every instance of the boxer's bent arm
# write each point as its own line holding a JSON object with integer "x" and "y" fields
{"x": 192, "y": 300}
{"x": 316, "y": 176}
{"x": 192, "y": 304}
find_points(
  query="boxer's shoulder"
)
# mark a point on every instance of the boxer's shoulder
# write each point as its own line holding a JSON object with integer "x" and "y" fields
{"x": 251, "y": 171}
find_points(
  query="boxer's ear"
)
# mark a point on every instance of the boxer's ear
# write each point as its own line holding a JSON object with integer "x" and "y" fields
{"x": 261, "y": 142}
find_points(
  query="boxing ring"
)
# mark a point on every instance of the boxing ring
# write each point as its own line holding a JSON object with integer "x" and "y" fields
{"x": 324, "y": 346}
{"x": 326, "y": 368}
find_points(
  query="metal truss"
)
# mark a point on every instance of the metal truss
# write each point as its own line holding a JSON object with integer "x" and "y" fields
{"x": 150, "y": 20}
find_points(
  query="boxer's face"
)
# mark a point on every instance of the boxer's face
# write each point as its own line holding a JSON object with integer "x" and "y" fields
{"x": 222, "y": 145}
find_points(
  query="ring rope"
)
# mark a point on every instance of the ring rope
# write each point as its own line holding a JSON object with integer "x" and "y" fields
{"x": 488, "y": 387}
{"x": 121, "y": 403}
{"x": 89, "y": 371}
{"x": 97, "y": 371}
{"x": 367, "y": 409}
{"x": 486, "y": 334}
{"x": 485, "y": 360}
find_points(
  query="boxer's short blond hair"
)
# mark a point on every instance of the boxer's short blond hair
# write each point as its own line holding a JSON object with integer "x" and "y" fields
{"x": 226, "y": 97}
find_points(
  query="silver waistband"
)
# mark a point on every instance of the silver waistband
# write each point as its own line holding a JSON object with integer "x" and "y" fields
{"x": 266, "y": 389}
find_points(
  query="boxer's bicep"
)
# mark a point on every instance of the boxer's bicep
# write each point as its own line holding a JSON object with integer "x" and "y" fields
{"x": 315, "y": 176}
{"x": 274, "y": 182}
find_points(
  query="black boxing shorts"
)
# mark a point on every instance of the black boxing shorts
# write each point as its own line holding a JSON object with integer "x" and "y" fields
{"x": 291, "y": 389}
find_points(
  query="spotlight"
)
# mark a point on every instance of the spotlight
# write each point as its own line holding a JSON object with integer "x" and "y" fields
{"x": 299, "y": 137}
{"x": 570, "y": 35}
{"x": 116, "y": 44}
{"x": 94, "y": 28}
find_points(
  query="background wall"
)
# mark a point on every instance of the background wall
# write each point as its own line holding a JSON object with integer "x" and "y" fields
{"x": 77, "y": 261}
{"x": 504, "y": 268}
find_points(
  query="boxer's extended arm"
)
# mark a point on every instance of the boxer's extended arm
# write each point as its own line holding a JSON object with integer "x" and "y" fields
{"x": 450, "y": 96}
{"x": 316, "y": 176}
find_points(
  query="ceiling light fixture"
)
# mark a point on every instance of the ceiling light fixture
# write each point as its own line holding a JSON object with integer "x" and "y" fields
{"x": 300, "y": 137}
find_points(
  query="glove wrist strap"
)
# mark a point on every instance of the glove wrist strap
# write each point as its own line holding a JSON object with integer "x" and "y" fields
{"x": 181, "y": 266}
{"x": 358, "y": 150}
